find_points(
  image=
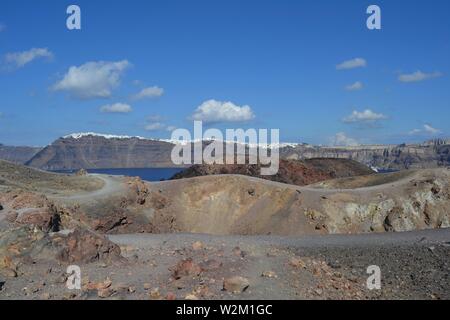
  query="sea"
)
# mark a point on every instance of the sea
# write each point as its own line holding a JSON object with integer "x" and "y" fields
{"x": 148, "y": 174}
{"x": 153, "y": 174}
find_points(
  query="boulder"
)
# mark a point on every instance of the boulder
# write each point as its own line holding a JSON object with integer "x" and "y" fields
{"x": 84, "y": 246}
{"x": 236, "y": 284}
{"x": 186, "y": 267}
{"x": 81, "y": 172}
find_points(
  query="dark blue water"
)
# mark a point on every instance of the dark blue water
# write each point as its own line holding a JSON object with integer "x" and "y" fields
{"x": 383, "y": 170}
{"x": 152, "y": 174}
{"x": 148, "y": 174}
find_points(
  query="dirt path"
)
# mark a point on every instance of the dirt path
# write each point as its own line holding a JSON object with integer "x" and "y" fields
{"x": 111, "y": 186}
{"x": 350, "y": 241}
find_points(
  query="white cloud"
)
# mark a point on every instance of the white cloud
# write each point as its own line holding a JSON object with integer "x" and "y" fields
{"x": 150, "y": 92}
{"x": 341, "y": 139}
{"x": 367, "y": 116}
{"x": 418, "y": 76}
{"x": 415, "y": 131}
{"x": 155, "y": 126}
{"x": 218, "y": 111}
{"x": 92, "y": 79}
{"x": 154, "y": 118}
{"x": 351, "y": 64}
{"x": 158, "y": 126}
{"x": 20, "y": 59}
{"x": 355, "y": 86}
{"x": 427, "y": 129}
{"x": 156, "y": 123}
{"x": 116, "y": 108}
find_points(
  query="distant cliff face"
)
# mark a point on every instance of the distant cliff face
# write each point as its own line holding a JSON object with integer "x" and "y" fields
{"x": 17, "y": 154}
{"x": 91, "y": 152}
{"x": 399, "y": 157}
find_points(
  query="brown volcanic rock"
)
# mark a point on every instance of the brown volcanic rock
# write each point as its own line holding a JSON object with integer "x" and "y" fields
{"x": 86, "y": 246}
{"x": 27, "y": 208}
{"x": 108, "y": 223}
{"x": 23, "y": 244}
{"x": 119, "y": 221}
{"x": 186, "y": 267}
{"x": 29, "y": 200}
{"x": 139, "y": 189}
{"x": 41, "y": 218}
{"x": 290, "y": 171}
{"x": 27, "y": 244}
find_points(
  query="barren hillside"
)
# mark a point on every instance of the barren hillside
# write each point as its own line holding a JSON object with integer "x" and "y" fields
{"x": 223, "y": 237}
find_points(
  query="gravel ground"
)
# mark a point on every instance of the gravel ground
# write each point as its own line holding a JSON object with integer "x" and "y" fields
{"x": 414, "y": 265}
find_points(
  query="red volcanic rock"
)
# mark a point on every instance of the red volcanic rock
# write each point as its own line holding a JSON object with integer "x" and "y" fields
{"x": 186, "y": 267}
{"x": 86, "y": 246}
{"x": 290, "y": 171}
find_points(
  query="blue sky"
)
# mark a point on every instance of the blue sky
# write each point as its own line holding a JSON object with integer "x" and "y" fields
{"x": 145, "y": 67}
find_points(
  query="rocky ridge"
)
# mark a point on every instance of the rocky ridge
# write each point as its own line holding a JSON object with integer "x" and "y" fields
{"x": 18, "y": 154}
{"x": 90, "y": 151}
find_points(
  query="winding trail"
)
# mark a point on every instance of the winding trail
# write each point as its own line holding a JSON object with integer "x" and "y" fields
{"x": 111, "y": 186}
